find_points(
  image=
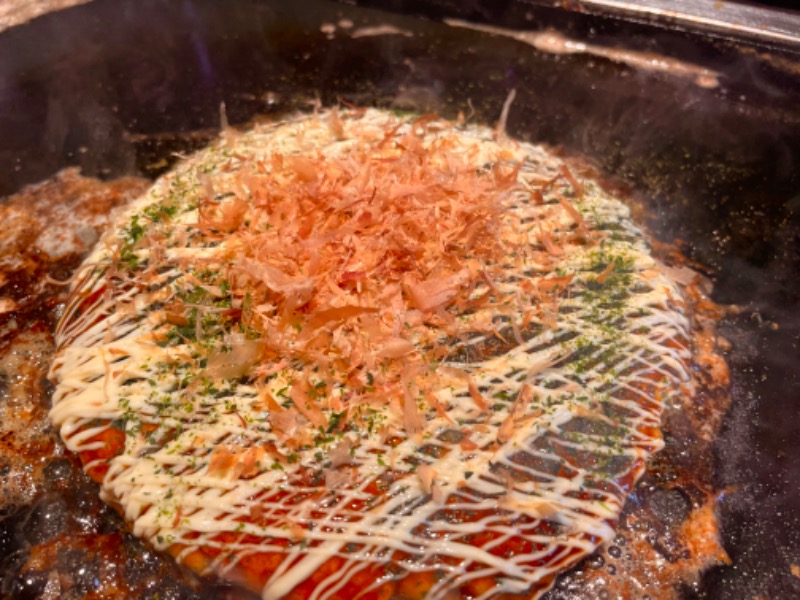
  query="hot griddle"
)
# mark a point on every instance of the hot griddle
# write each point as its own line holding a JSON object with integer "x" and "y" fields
{"x": 118, "y": 87}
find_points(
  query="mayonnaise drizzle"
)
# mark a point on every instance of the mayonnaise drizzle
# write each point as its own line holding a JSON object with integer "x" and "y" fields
{"x": 599, "y": 378}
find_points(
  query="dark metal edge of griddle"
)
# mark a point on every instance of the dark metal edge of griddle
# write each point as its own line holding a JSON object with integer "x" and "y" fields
{"x": 776, "y": 28}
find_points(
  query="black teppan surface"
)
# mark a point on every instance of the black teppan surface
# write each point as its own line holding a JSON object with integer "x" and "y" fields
{"x": 117, "y": 86}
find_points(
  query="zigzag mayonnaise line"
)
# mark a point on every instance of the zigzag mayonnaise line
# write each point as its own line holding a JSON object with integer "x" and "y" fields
{"x": 359, "y": 356}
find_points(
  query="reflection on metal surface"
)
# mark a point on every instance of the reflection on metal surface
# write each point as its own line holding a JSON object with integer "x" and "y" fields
{"x": 729, "y": 18}
{"x": 555, "y": 43}
{"x": 17, "y": 12}
{"x": 363, "y": 32}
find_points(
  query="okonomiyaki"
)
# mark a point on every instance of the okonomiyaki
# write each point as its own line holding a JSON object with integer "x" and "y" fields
{"x": 359, "y": 355}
